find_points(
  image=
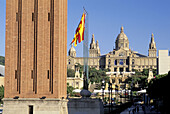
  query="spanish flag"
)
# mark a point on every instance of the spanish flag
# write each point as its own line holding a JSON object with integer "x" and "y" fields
{"x": 79, "y": 35}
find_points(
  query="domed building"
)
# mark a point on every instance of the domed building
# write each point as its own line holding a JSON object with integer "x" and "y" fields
{"x": 120, "y": 60}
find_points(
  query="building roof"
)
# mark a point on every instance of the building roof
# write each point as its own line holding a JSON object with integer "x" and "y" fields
{"x": 2, "y": 70}
{"x": 140, "y": 55}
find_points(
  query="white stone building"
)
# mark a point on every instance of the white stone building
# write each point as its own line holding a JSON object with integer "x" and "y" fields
{"x": 163, "y": 61}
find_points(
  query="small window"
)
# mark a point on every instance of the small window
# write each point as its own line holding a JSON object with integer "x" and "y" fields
{"x": 48, "y": 74}
{"x": 48, "y": 16}
{"x": 30, "y": 109}
{"x": 16, "y": 16}
{"x": 32, "y": 16}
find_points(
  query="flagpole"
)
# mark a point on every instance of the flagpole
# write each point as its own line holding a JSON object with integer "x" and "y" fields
{"x": 85, "y": 52}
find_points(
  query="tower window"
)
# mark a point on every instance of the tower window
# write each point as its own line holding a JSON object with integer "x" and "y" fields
{"x": 16, "y": 16}
{"x": 48, "y": 16}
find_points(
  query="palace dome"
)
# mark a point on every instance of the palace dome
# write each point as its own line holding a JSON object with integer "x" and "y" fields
{"x": 122, "y": 35}
{"x": 122, "y": 41}
{"x": 72, "y": 51}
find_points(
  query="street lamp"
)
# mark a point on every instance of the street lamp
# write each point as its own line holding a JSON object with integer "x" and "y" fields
{"x": 103, "y": 88}
{"x": 109, "y": 95}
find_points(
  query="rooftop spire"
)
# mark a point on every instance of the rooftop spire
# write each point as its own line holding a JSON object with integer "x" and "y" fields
{"x": 122, "y": 29}
{"x": 93, "y": 40}
{"x": 93, "y": 44}
{"x": 152, "y": 38}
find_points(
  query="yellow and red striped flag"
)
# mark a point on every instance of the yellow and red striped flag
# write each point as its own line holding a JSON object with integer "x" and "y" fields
{"x": 79, "y": 35}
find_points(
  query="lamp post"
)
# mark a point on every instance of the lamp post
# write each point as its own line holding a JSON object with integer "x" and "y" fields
{"x": 125, "y": 92}
{"x": 103, "y": 88}
{"x": 109, "y": 95}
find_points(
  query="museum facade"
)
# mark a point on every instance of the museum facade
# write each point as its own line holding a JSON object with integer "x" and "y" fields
{"x": 120, "y": 59}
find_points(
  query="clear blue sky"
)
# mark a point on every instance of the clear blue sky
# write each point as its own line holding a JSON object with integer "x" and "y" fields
{"x": 140, "y": 18}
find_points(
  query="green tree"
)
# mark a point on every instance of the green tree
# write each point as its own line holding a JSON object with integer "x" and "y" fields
{"x": 81, "y": 67}
{"x": 1, "y": 93}
{"x": 70, "y": 90}
{"x": 98, "y": 75}
{"x": 2, "y": 60}
{"x": 70, "y": 73}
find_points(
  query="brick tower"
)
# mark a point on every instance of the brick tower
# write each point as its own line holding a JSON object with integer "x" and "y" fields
{"x": 36, "y": 52}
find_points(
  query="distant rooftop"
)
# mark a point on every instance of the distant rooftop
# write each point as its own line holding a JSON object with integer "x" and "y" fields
{"x": 2, "y": 70}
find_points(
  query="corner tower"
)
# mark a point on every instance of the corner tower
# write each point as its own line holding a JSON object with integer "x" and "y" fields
{"x": 122, "y": 41}
{"x": 94, "y": 50}
{"x": 152, "y": 47}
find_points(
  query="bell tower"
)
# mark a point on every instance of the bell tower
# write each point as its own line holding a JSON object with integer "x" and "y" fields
{"x": 36, "y": 55}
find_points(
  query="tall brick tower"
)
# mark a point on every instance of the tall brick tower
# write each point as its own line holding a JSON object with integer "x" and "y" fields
{"x": 36, "y": 54}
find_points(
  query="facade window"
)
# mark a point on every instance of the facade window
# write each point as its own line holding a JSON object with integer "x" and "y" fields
{"x": 121, "y": 62}
{"x": 121, "y": 45}
{"x": 120, "y": 81}
{"x": 113, "y": 81}
{"x": 133, "y": 61}
{"x": 115, "y": 63}
{"x": 126, "y": 45}
{"x": 121, "y": 69}
{"x": 109, "y": 61}
{"x": 115, "y": 69}
{"x": 127, "y": 61}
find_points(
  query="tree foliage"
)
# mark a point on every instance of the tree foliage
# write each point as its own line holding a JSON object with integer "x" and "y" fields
{"x": 70, "y": 73}
{"x": 140, "y": 77}
{"x": 98, "y": 75}
{"x": 1, "y": 93}
{"x": 158, "y": 89}
{"x": 2, "y": 60}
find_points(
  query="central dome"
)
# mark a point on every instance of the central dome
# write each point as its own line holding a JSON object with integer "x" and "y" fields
{"x": 122, "y": 41}
{"x": 122, "y": 35}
